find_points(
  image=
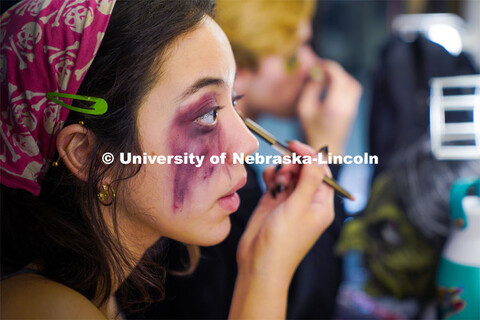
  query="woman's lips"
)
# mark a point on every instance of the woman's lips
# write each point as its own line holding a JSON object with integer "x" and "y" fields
{"x": 230, "y": 202}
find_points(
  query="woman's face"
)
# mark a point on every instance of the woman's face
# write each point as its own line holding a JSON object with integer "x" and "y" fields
{"x": 189, "y": 111}
{"x": 277, "y": 84}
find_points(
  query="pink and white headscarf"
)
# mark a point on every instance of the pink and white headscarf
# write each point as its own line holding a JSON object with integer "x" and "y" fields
{"x": 46, "y": 46}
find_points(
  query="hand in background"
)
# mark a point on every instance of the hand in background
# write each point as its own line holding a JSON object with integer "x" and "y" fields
{"x": 328, "y": 121}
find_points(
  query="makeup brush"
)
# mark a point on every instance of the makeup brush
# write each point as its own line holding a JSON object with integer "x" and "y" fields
{"x": 284, "y": 150}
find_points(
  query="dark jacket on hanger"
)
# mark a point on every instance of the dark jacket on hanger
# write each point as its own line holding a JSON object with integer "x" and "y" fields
{"x": 400, "y": 101}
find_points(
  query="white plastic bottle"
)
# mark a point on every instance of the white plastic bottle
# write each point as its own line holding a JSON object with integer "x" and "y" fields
{"x": 458, "y": 277}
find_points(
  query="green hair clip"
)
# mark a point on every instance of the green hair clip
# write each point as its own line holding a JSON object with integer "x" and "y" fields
{"x": 98, "y": 107}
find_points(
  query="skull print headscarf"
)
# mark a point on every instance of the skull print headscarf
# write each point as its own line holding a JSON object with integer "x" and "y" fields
{"x": 46, "y": 46}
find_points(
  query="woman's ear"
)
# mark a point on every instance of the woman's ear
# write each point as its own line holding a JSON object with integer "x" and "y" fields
{"x": 74, "y": 144}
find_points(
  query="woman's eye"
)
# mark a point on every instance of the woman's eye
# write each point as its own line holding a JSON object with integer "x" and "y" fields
{"x": 291, "y": 63}
{"x": 236, "y": 98}
{"x": 209, "y": 118}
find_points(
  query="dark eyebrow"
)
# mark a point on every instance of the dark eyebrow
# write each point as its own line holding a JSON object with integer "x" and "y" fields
{"x": 201, "y": 83}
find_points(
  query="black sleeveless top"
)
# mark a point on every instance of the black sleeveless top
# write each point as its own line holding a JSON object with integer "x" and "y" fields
{"x": 20, "y": 271}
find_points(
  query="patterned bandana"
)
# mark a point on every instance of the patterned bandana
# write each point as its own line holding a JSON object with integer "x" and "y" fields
{"x": 46, "y": 46}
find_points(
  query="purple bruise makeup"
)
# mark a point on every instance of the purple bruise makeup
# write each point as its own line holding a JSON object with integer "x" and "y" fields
{"x": 188, "y": 136}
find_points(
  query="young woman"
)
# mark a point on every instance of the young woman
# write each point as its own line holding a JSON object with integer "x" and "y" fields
{"x": 271, "y": 44}
{"x": 71, "y": 236}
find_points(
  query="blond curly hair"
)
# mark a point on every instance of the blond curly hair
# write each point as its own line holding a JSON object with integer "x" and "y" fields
{"x": 258, "y": 28}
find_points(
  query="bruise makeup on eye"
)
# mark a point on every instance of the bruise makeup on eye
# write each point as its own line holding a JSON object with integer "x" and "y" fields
{"x": 187, "y": 135}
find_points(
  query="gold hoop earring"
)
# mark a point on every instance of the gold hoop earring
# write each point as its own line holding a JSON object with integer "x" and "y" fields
{"x": 106, "y": 195}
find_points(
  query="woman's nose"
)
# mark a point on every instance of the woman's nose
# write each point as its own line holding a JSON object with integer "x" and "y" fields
{"x": 241, "y": 140}
{"x": 308, "y": 58}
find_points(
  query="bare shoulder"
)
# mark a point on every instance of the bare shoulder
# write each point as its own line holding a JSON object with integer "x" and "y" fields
{"x": 33, "y": 296}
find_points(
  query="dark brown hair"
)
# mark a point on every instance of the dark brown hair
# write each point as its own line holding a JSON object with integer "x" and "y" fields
{"x": 63, "y": 229}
